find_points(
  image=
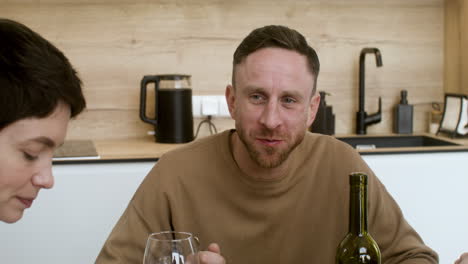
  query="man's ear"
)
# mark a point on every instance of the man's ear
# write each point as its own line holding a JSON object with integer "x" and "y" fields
{"x": 313, "y": 108}
{"x": 231, "y": 99}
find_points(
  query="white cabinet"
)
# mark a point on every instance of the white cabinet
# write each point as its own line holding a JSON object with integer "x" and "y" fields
{"x": 432, "y": 191}
{"x": 70, "y": 223}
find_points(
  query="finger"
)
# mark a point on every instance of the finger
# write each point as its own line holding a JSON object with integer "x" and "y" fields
{"x": 460, "y": 259}
{"x": 208, "y": 257}
{"x": 213, "y": 247}
{"x": 463, "y": 258}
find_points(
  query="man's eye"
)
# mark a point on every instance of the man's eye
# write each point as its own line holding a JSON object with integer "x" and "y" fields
{"x": 29, "y": 157}
{"x": 256, "y": 98}
{"x": 289, "y": 100}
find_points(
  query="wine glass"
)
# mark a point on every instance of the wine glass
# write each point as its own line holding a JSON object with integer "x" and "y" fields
{"x": 171, "y": 247}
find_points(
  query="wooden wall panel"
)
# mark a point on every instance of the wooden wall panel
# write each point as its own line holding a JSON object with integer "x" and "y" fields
{"x": 114, "y": 43}
{"x": 456, "y": 40}
{"x": 463, "y": 35}
{"x": 452, "y": 66}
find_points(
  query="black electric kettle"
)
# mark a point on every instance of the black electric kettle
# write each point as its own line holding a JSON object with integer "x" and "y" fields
{"x": 173, "y": 103}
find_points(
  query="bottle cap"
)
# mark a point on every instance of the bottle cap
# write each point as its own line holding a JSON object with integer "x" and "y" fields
{"x": 322, "y": 97}
{"x": 357, "y": 178}
{"x": 404, "y": 95}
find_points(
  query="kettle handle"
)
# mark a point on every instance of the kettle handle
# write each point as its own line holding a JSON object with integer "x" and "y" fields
{"x": 144, "y": 83}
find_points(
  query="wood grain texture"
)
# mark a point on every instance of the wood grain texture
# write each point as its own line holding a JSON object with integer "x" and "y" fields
{"x": 456, "y": 40}
{"x": 452, "y": 66}
{"x": 145, "y": 147}
{"x": 114, "y": 43}
{"x": 463, "y": 35}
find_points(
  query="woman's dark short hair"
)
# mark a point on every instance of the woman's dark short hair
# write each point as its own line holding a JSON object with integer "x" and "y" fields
{"x": 34, "y": 76}
{"x": 277, "y": 37}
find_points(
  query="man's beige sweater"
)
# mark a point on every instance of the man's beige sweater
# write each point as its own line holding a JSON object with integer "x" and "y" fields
{"x": 300, "y": 218}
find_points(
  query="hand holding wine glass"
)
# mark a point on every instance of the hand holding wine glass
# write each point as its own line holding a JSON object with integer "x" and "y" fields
{"x": 179, "y": 248}
{"x": 212, "y": 255}
{"x": 171, "y": 248}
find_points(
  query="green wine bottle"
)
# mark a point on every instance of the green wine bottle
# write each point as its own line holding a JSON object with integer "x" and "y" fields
{"x": 358, "y": 247}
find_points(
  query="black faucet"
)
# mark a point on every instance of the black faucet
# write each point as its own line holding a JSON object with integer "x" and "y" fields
{"x": 363, "y": 119}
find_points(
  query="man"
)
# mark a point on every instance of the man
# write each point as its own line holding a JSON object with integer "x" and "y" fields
{"x": 268, "y": 191}
{"x": 39, "y": 93}
{"x": 463, "y": 259}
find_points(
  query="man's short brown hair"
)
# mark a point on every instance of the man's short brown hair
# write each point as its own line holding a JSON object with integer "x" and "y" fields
{"x": 275, "y": 36}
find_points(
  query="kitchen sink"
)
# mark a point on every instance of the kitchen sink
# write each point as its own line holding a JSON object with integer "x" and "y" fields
{"x": 395, "y": 141}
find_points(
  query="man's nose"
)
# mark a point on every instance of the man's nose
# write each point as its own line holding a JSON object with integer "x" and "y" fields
{"x": 271, "y": 116}
{"x": 44, "y": 178}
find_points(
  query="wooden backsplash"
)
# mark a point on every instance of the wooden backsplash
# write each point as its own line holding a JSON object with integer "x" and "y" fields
{"x": 455, "y": 52}
{"x": 113, "y": 43}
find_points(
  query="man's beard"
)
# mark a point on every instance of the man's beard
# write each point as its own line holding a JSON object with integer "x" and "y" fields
{"x": 270, "y": 157}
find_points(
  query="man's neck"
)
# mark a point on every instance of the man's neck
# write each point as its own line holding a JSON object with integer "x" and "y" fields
{"x": 249, "y": 167}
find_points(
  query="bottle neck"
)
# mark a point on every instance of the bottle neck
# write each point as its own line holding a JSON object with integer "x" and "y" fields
{"x": 358, "y": 209}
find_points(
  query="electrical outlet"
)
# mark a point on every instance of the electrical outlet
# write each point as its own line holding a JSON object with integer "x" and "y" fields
{"x": 209, "y": 105}
{"x": 196, "y": 105}
{"x": 223, "y": 107}
{"x": 213, "y": 105}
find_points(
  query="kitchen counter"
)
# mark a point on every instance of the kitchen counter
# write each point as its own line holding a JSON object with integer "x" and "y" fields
{"x": 146, "y": 149}
{"x": 400, "y": 143}
{"x": 129, "y": 149}
{"x": 134, "y": 149}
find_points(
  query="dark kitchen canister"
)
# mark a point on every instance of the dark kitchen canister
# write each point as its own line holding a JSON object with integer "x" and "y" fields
{"x": 173, "y": 122}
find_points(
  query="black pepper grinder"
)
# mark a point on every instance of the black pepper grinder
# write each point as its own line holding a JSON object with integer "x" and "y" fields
{"x": 403, "y": 116}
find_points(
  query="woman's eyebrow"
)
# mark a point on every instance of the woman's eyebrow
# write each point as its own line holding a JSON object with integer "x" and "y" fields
{"x": 44, "y": 140}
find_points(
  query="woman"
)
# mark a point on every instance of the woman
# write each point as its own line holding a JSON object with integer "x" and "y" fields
{"x": 39, "y": 93}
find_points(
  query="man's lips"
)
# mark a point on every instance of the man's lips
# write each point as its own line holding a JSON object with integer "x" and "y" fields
{"x": 269, "y": 142}
{"x": 26, "y": 201}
